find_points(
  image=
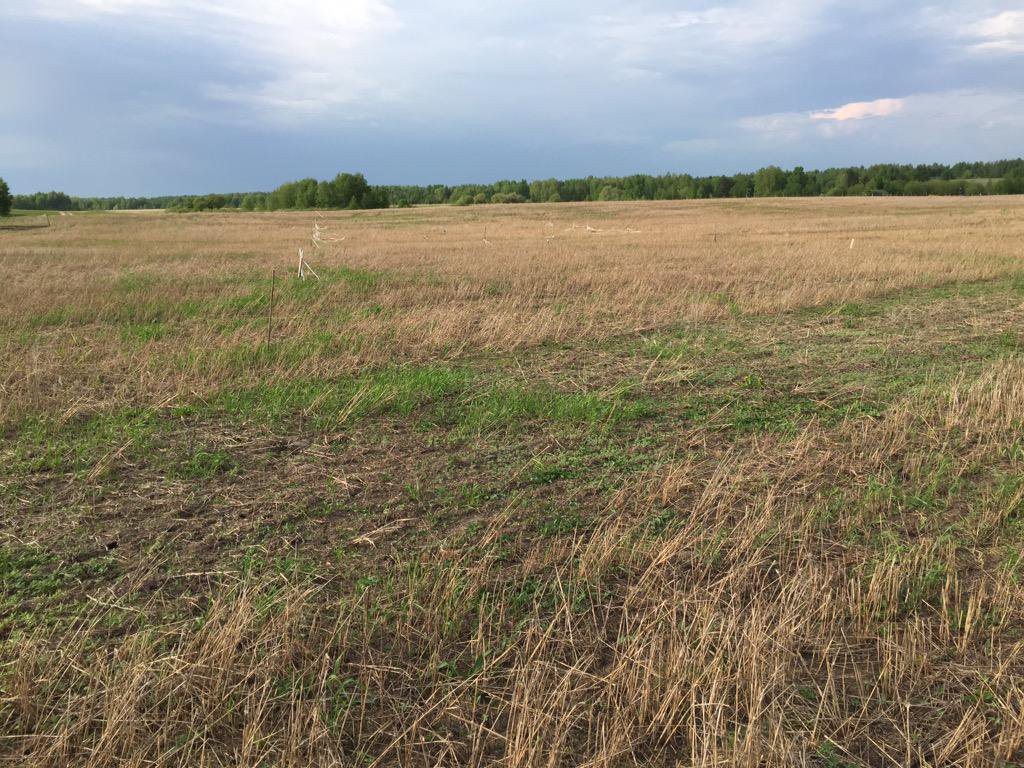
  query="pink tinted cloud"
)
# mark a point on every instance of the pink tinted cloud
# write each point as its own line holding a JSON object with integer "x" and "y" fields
{"x": 859, "y": 110}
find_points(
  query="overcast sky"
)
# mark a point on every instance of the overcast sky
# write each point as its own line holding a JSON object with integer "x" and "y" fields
{"x": 107, "y": 97}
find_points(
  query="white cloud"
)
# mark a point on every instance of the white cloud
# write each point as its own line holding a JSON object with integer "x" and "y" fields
{"x": 730, "y": 35}
{"x": 286, "y": 60}
{"x": 778, "y": 123}
{"x": 307, "y": 55}
{"x": 860, "y": 110}
{"x": 917, "y": 117}
{"x": 985, "y": 29}
{"x": 77, "y": 9}
{"x": 1002, "y": 33}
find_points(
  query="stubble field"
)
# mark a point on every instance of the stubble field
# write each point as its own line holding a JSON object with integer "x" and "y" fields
{"x": 702, "y": 483}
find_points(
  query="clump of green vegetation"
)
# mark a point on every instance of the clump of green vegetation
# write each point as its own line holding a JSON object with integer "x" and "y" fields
{"x": 205, "y": 463}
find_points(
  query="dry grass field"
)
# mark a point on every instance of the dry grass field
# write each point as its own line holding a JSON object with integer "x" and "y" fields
{"x": 716, "y": 483}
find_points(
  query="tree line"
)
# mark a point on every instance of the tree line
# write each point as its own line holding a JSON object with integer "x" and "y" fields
{"x": 352, "y": 191}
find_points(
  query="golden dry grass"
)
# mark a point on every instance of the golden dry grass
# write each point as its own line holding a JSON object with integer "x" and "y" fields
{"x": 435, "y": 284}
{"x": 804, "y": 549}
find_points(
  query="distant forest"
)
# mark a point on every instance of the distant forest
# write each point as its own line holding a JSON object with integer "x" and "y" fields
{"x": 352, "y": 191}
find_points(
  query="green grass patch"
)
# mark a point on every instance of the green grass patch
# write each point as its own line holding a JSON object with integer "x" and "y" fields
{"x": 51, "y": 318}
{"x": 358, "y": 280}
{"x": 204, "y": 463}
{"x": 33, "y": 581}
{"x": 510, "y": 405}
{"x": 47, "y": 445}
{"x": 544, "y": 472}
{"x": 134, "y": 282}
{"x": 143, "y": 333}
{"x": 327, "y": 404}
{"x": 758, "y": 410}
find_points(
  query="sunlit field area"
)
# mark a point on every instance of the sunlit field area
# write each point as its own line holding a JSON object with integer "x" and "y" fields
{"x": 703, "y": 483}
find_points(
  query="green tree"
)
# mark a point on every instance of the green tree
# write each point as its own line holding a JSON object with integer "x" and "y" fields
{"x": 769, "y": 181}
{"x": 743, "y": 185}
{"x": 796, "y": 183}
{"x": 208, "y": 202}
{"x": 507, "y": 197}
{"x": 543, "y": 191}
{"x": 5, "y": 199}
{"x": 325, "y": 195}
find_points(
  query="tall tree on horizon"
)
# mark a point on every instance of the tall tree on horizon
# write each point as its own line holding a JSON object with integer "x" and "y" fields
{"x": 5, "y": 199}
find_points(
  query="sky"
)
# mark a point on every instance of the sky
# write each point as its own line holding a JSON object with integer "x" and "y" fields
{"x": 151, "y": 97}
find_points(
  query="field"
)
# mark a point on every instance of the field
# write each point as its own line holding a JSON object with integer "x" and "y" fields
{"x": 688, "y": 483}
